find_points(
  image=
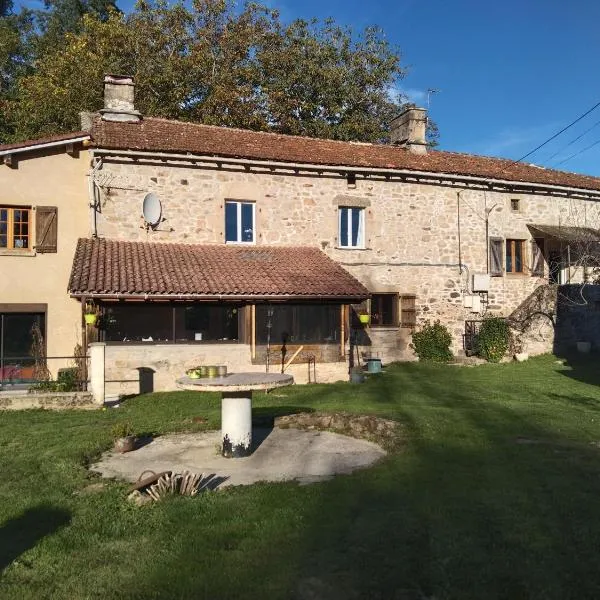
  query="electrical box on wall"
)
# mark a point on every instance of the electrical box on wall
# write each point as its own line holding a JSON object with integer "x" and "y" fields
{"x": 481, "y": 282}
{"x": 467, "y": 301}
{"x": 476, "y": 306}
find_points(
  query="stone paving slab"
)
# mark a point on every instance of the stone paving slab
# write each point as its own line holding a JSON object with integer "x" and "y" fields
{"x": 283, "y": 454}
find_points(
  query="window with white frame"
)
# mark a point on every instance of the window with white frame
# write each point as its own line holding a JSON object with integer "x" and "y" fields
{"x": 351, "y": 227}
{"x": 239, "y": 221}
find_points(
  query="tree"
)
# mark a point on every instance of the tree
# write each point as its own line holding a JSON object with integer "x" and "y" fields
{"x": 216, "y": 65}
{"x": 65, "y": 16}
{"x": 15, "y": 56}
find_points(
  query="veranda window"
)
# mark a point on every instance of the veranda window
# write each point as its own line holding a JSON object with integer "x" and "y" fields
{"x": 298, "y": 323}
{"x": 156, "y": 322}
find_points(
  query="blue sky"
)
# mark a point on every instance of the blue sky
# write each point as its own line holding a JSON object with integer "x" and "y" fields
{"x": 510, "y": 73}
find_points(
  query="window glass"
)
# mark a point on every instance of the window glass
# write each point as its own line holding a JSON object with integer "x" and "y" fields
{"x": 157, "y": 322}
{"x": 515, "y": 255}
{"x": 384, "y": 309}
{"x": 138, "y": 322}
{"x": 206, "y": 322}
{"x": 351, "y": 227}
{"x": 298, "y": 323}
{"x": 231, "y": 221}
{"x": 344, "y": 227}
{"x": 247, "y": 222}
{"x": 16, "y": 339}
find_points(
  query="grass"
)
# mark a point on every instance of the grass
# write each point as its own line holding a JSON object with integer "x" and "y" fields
{"x": 495, "y": 494}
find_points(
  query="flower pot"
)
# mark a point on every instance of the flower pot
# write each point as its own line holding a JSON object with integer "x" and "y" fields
{"x": 90, "y": 318}
{"x": 584, "y": 347}
{"x": 364, "y": 319}
{"x": 125, "y": 444}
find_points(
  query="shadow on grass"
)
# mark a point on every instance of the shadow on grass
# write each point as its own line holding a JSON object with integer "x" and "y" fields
{"x": 23, "y": 532}
{"x": 584, "y": 368}
{"x": 467, "y": 511}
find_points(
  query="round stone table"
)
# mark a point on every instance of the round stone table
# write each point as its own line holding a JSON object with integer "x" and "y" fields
{"x": 236, "y": 404}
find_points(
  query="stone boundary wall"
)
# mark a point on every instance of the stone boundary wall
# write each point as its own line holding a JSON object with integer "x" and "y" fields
{"x": 170, "y": 362}
{"x": 47, "y": 400}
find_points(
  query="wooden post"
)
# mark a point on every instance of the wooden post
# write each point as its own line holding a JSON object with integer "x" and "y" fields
{"x": 84, "y": 343}
{"x": 253, "y": 329}
{"x": 342, "y": 330}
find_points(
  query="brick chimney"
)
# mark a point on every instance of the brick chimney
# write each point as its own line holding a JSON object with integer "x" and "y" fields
{"x": 408, "y": 130}
{"x": 119, "y": 93}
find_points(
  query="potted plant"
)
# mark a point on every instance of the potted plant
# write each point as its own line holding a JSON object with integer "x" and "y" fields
{"x": 90, "y": 314}
{"x": 364, "y": 317}
{"x": 124, "y": 437}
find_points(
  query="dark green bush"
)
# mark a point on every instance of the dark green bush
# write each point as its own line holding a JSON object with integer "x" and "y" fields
{"x": 493, "y": 339}
{"x": 65, "y": 382}
{"x": 432, "y": 342}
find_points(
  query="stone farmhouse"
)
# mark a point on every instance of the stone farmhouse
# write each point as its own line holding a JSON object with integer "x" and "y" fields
{"x": 202, "y": 244}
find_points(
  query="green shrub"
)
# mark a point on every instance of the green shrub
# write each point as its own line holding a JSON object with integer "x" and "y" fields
{"x": 432, "y": 342}
{"x": 493, "y": 339}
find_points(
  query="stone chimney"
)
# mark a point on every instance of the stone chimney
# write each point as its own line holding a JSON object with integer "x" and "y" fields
{"x": 119, "y": 99}
{"x": 408, "y": 130}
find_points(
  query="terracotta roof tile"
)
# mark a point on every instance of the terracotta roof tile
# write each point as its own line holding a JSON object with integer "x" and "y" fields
{"x": 120, "y": 268}
{"x": 62, "y": 137}
{"x": 163, "y": 135}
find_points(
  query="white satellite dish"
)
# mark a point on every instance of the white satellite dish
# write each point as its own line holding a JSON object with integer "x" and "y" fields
{"x": 151, "y": 209}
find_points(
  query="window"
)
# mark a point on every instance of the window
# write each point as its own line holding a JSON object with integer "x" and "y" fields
{"x": 16, "y": 338}
{"x": 515, "y": 204}
{"x": 15, "y": 228}
{"x": 161, "y": 322}
{"x": 239, "y": 222}
{"x": 298, "y": 323}
{"x": 351, "y": 227}
{"x": 384, "y": 309}
{"x": 515, "y": 255}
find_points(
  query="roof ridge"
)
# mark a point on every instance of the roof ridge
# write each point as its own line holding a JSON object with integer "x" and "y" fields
{"x": 271, "y": 133}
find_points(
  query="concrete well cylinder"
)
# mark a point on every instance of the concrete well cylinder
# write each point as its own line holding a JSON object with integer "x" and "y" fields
{"x": 236, "y": 424}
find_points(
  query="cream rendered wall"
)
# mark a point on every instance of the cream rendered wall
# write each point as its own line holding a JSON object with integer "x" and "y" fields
{"x": 50, "y": 179}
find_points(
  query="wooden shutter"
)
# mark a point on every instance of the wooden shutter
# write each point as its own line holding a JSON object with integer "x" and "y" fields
{"x": 46, "y": 228}
{"x": 537, "y": 257}
{"x": 496, "y": 257}
{"x": 408, "y": 311}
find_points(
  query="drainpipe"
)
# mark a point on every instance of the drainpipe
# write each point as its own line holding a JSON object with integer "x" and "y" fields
{"x": 92, "y": 191}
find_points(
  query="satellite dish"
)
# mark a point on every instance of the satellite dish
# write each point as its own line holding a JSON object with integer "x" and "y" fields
{"x": 151, "y": 209}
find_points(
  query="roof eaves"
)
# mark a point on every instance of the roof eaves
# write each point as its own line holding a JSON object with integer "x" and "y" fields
{"x": 40, "y": 144}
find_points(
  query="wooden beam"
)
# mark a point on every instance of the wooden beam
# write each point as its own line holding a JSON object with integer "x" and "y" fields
{"x": 253, "y": 330}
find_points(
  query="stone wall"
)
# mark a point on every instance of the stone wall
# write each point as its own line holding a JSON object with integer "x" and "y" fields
{"x": 168, "y": 362}
{"x": 421, "y": 239}
{"x": 17, "y": 400}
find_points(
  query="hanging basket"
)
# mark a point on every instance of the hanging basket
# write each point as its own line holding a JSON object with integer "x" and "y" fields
{"x": 364, "y": 319}
{"x": 90, "y": 318}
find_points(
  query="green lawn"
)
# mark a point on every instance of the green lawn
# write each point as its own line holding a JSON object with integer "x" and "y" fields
{"x": 494, "y": 494}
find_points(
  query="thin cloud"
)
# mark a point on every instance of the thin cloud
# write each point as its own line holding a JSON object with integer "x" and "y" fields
{"x": 413, "y": 95}
{"x": 514, "y": 140}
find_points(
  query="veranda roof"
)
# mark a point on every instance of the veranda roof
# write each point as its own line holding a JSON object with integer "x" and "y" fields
{"x": 121, "y": 269}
